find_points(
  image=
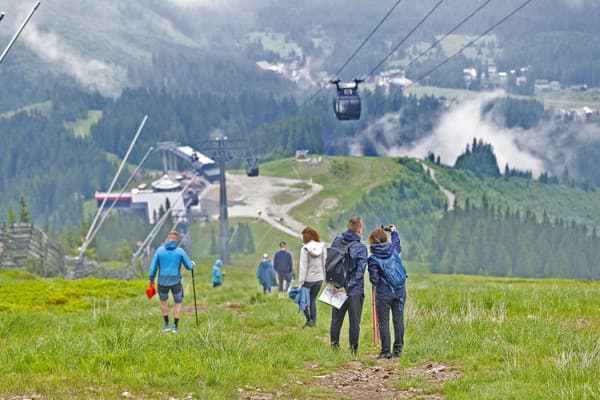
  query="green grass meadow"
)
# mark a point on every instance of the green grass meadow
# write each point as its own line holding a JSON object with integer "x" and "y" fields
{"x": 502, "y": 338}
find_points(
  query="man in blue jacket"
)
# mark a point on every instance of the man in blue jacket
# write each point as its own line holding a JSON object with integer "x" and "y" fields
{"x": 355, "y": 288}
{"x": 167, "y": 262}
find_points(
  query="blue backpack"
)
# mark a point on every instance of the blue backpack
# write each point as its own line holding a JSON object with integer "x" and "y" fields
{"x": 392, "y": 270}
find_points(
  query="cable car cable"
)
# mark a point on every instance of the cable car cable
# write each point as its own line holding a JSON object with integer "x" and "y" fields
{"x": 461, "y": 23}
{"x": 340, "y": 69}
{"x": 470, "y": 43}
{"x": 403, "y": 39}
{"x": 366, "y": 39}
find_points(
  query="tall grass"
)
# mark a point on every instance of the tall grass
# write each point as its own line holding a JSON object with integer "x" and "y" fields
{"x": 506, "y": 338}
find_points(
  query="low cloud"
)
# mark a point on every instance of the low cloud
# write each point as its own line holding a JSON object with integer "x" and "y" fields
{"x": 461, "y": 124}
{"x": 108, "y": 79}
{"x": 549, "y": 146}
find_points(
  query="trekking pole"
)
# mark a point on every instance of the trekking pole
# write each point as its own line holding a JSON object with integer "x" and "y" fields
{"x": 194, "y": 289}
{"x": 374, "y": 319}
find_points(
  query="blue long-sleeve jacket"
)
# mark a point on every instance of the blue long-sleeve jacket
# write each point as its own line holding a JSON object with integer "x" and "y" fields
{"x": 301, "y": 296}
{"x": 167, "y": 262}
{"x": 384, "y": 250}
{"x": 217, "y": 273}
{"x": 358, "y": 257}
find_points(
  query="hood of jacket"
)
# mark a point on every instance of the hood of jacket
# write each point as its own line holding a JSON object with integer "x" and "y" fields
{"x": 314, "y": 249}
{"x": 218, "y": 264}
{"x": 350, "y": 236}
{"x": 171, "y": 245}
{"x": 382, "y": 250}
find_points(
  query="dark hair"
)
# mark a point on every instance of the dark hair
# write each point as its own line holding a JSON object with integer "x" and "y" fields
{"x": 354, "y": 224}
{"x": 378, "y": 236}
{"x": 309, "y": 234}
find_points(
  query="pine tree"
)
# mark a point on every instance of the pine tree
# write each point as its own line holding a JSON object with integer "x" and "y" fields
{"x": 23, "y": 211}
{"x": 11, "y": 218}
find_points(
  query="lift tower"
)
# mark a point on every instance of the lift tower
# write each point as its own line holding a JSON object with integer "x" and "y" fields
{"x": 222, "y": 149}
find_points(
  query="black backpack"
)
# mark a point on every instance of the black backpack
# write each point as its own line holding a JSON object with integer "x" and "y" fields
{"x": 338, "y": 264}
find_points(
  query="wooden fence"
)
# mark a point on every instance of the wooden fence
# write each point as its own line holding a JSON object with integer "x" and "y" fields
{"x": 26, "y": 247}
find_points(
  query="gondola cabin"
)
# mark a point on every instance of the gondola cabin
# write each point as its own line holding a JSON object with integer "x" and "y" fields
{"x": 346, "y": 103}
{"x": 252, "y": 167}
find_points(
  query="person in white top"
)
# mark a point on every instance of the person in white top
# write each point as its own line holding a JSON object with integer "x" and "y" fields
{"x": 312, "y": 271}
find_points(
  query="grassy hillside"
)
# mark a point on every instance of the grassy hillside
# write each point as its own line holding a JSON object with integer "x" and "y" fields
{"x": 466, "y": 338}
{"x": 558, "y": 201}
{"x": 345, "y": 180}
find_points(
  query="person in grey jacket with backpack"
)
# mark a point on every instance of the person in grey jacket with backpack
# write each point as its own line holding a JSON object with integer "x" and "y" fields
{"x": 312, "y": 271}
{"x": 389, "y": 296}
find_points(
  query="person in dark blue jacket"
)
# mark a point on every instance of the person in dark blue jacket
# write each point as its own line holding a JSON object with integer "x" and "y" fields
{"x": 355, "y": 288}
{"x": 387, "y": 298}
{"x": 284, "y": 266}
{"x": 167, "y": 263}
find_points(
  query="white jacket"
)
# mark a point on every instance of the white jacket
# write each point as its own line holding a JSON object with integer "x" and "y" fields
{"x": 312, "y": 262}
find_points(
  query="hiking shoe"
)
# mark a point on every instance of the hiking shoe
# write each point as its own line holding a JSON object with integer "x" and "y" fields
{"x": 309, "y": 323}
{"x": 384, "y": 355}
{"x": 174, "y": 329}
{"x": 167, "y": 328}
{"x": 396, "y": 353}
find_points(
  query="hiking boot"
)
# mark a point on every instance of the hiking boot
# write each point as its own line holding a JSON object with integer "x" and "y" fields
{"x": 174, "y": 329}
{"x": 167, "y": 328}
{"x": 397, "y": 353}
{"x": 384, "y": 355}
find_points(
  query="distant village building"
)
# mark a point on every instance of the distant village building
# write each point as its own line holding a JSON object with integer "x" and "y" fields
{"x": 541, "y": 84}
{"x": 521, "y": 81}
{"x": 579, "y": 88}
{"x": 302, "y": 155}
{"x": 502, "y": 79}
{"x": 583, "y": 114}
{"x": 469, "y": 76}
{"x": 393, "y": 77}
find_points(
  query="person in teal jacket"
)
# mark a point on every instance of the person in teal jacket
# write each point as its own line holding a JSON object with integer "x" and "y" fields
{"x": 217, "y": 273}
{"x": 167, "y": 263}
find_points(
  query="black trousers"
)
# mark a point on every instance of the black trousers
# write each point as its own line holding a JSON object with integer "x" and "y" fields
{"x": 310, "y": 312}
{"x": 353, "y": 305}
{"x": 383, "y": 322}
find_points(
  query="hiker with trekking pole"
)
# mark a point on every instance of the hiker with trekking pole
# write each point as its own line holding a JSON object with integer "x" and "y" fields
{"x": 388, "y": 276}
{"x": 167, "y": 263}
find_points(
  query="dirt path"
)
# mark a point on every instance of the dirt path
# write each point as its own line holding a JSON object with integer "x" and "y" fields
{"x": 383, "y": 380}
{"x": 449, "y": 195}
{"x": 257, "y": 197}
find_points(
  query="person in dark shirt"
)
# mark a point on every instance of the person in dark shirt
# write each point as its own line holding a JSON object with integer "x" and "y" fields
{"x": 284, "y": 266}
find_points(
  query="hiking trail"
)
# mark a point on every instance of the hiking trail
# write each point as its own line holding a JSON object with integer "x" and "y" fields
{"x": 449, "y": 195}
{"x": 255, "y": 197}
